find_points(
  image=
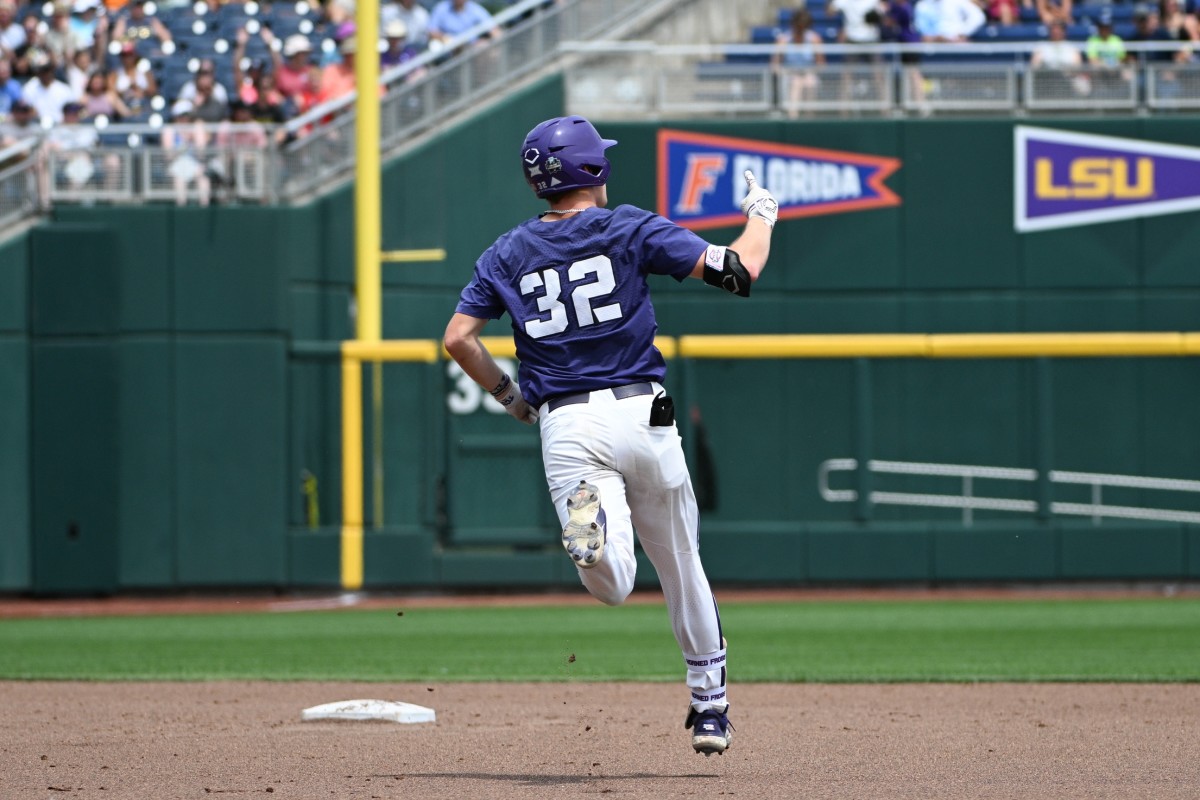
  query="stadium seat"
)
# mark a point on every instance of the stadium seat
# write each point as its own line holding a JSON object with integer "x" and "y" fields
{"x": 1021, "y": 32}
{"x": 763, "y": 34}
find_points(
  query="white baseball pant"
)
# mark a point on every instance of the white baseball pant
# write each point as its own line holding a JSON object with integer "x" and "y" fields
{"x": 644, "y": 485}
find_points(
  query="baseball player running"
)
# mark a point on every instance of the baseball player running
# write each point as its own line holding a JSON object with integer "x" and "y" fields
{"x": 573, "y": 281}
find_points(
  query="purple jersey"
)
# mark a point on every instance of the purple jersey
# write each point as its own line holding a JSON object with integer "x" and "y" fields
{"x": 577, "y": 295}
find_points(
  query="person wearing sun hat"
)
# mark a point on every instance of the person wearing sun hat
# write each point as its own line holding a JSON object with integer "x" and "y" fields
{"x": 185, "y": 140}
{"x": 296, "y": 76}
{"x": 85, "y": 23}
{"x": 399, "y": 50}
{"x": 415, "y": 18}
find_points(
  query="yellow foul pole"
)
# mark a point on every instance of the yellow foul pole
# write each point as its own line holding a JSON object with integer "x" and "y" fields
{"x": 368, "y": 238}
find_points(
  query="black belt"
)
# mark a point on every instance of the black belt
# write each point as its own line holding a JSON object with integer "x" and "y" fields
{"x": 619, "y": 392}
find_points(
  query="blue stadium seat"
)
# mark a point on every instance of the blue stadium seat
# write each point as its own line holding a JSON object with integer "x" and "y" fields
{"x": 763, "y": 34}
{"x": 1021, "y": 32}
{"x": 1120, "y": 12}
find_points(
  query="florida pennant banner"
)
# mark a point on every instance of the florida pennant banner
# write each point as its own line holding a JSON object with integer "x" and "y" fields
{"x": 700, "y": 181}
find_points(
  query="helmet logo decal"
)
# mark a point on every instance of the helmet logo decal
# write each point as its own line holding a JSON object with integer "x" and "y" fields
{"x": 553, "y": 165}
{"x": 531, "y": 157}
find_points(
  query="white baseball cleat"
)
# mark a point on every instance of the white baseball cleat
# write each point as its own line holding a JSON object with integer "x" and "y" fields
{"x": 584, "y": 535}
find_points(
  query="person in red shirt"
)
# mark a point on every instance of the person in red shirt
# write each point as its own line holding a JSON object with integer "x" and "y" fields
{"x": 295, "y": 76}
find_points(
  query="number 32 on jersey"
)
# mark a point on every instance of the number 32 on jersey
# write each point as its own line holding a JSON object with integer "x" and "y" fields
{"x": 548, "y": 286}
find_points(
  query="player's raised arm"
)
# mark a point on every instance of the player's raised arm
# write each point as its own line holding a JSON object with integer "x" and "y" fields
{"x": 735, "y": 267}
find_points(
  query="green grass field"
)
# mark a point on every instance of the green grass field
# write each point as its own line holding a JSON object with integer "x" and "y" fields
{"x": 1010, "y": 640}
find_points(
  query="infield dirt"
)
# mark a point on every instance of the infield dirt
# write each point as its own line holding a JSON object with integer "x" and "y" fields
{"x": 174, "y": 740}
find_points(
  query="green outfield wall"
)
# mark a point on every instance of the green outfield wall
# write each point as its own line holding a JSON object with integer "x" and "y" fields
{"x": 170, "y": 420}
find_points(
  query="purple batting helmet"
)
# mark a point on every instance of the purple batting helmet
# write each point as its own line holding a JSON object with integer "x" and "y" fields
{"x": 564, "y": 153}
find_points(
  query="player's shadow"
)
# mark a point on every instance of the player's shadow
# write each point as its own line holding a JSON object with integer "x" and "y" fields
{"x": 546, "y": 780}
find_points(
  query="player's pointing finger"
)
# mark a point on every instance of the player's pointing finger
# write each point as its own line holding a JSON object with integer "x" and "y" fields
{"x": 751, "y": 181}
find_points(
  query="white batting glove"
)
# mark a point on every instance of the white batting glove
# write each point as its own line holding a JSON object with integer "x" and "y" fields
{"x": 759, "y": 202}
{"x": 508, "y": 394}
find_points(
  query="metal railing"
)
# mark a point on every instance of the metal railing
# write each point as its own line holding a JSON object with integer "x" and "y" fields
{"x": 21, "y": 192}
{"x": 133, "y": 164}
{"x": 969, "y": 501}
{"x": 631, "y": 80}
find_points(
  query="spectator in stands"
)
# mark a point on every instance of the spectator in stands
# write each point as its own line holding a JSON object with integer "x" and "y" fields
{"x": 398, "y": 49}
{"x": 1055, "y": 11}
{"x": 1006, "y": 12}
{"x": 1105, "y": 48}
{"x": 79, "y": 70}
{"x": 1148, "y": 27}
{"x": 1056, "y": 64}
{"x": 255, "y": 85}
{"x": 265, "y": 101}
{"x": 241, "y": 130}
{"x": 21, "y": 62}
{"x": 1179, "y": 23}
{"x": 133, "y": 83}
{"x": 72, "y": 140}
{"x": 87, "y": 24}
{"x": 185, "y": 140}
{"x": 101, "y": 100}
{"x": 896, "y": 25}
{"x": 451, "y": 19}
{"x": 10, "y": 88}
{"x": 22, "y": 124}
{"x": 1106, "y": 53}
{"x": 209, "y": 99}
{"x": 295, "y": 76}
{"x": 1056, "y": 53}
{"x": 415, "y": 18}
{"x": 339, "y": 12}
{"x": 45, "y": 92}
{"x": 947, "y": 20}
{"x": 74, "y": 145}
{"x": 337, "y": 80}
{"x": 860, "y": 24}
{"x": 799, "y": 52}
{"x": 12, "y": 32}
{"x": 135, "y": 25}
{"x": 58, "y": 40}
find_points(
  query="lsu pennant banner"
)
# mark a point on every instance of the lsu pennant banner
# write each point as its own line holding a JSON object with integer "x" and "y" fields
{"x": 1065, "y": 179}
{"x": 700, "y": 181}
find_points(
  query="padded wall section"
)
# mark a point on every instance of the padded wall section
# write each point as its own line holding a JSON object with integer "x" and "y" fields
{"x": 146, "y": 463}
{"x": 16, "y": 544}
{"x": 75, "y": 484}
{"x": 228, "y": 272}
{"x": 230, "y": 401}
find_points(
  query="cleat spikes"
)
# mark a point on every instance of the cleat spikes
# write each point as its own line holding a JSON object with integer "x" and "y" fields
{"x": 584, "y": 536}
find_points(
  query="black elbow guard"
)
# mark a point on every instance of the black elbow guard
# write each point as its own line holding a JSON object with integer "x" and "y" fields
{"x": 723, "y": 269}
